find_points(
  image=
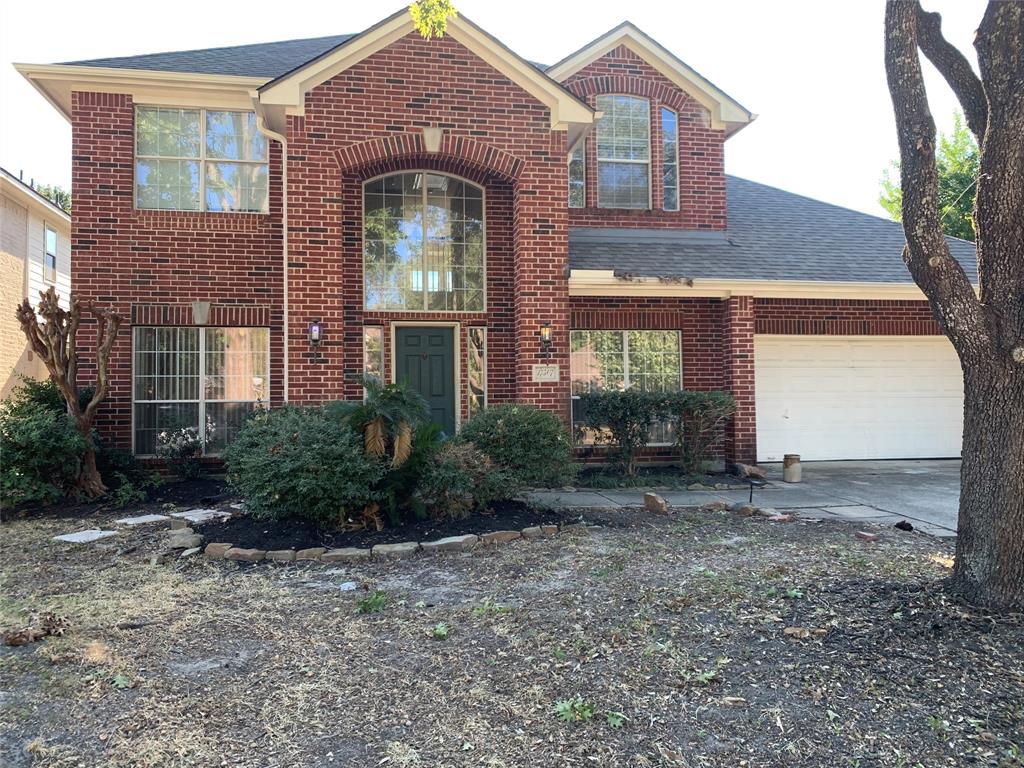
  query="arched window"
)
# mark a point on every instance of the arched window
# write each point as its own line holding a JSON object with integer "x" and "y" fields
{"x": 423, "y": 243}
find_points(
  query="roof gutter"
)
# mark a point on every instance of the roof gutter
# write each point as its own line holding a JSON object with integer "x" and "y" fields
{"x": 261, "y": 125}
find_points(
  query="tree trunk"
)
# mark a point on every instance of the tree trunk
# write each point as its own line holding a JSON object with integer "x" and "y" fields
{"x": 989, "y": 566}
{"x": 89, "y": 482}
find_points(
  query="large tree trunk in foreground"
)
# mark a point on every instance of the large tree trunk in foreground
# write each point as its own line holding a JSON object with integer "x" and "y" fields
{"x": 987, "y": 327}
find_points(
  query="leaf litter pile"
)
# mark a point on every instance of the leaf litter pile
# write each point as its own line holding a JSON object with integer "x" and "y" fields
{"x": 697, "y": 639}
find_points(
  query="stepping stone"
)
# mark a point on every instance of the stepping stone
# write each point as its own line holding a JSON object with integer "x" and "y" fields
{"x": 201, "y": 515}
{"x": 141, "y": 519}
{"x": 84, "y": 537}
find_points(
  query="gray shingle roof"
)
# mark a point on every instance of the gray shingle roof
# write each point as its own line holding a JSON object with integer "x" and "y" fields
{"x": 772, "y": 235}
{"x": 260, "y": 60}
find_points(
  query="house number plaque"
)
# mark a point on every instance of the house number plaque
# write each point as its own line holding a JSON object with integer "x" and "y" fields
{"x": 545, "y": 374}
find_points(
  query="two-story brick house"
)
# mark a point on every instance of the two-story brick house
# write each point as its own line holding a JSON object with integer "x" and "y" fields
{"x": 276, "y": 219}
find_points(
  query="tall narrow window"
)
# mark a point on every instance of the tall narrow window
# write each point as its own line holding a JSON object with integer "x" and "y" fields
{"x": 578, "y": 176}
{"x": 670, "y": 159}
{"x": 623, "y": 152}
{"x": 198, "y": 159}
{"x": 188, "y": 377}
{"x": 476, "y": 369}
{"x": 50, "y": 254}
{"x": 373, "y": 352}
{"x": 423, "y": 243}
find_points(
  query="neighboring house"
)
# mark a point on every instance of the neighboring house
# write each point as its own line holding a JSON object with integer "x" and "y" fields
{"x": 35, "y": 253}
{"x": 492, "y": 229}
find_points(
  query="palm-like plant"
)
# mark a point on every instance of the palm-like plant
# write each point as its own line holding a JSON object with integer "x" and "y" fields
{"x": 387, "y": 418}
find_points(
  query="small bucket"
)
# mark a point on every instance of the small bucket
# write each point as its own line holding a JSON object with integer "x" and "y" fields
{"x": 791, "y": 472}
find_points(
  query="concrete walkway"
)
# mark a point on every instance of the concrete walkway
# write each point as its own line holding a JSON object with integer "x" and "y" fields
{"x": 926, "y": 493}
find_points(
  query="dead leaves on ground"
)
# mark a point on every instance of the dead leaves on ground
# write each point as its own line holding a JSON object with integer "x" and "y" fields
{"x": 41, "y": 626}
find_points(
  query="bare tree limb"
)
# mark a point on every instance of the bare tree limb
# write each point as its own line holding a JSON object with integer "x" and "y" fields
{"x": 955, "y": 68}
{"x": 937, "y": 273}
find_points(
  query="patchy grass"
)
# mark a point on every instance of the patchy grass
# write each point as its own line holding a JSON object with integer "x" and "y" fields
{"x": 646, "y": 642}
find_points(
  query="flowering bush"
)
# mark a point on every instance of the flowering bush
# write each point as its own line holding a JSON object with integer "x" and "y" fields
{"x": 181, "y": 448}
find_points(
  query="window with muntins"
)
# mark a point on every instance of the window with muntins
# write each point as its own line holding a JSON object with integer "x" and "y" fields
{"x": 423, "y": 243}
{"x": 623, "y": 152}
{"x": 207, "y": 379}
{"x": 650, "y": 361}
{"x": 669, "y": 159}
{"x": 200, "y": 160}
{"x": 50, "y": 254}
{"x": 578, "y": 176}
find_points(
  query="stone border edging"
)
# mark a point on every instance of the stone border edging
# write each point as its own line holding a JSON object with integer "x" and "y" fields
{"x": 463, "y": 543}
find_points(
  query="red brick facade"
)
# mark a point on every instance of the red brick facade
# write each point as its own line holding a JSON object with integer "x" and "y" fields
{"x": 368, "y": 121}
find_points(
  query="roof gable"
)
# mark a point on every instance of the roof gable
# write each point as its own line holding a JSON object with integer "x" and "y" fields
{"x": 726, "y": 113}
{"x": 289, "y": 90}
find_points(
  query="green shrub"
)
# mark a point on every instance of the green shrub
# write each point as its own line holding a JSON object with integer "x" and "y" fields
{"x": 182, "y": 450}
{"x": 699, "y": 417}
{"x": 621, "y": 419}
{"x": 530, "y": 444}
{"x": 300, "y": 463}
{"x": 41, "y": 450}
{"x": 460, "y": 478}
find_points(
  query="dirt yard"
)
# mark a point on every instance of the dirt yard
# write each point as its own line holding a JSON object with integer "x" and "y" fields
{"x": 701, "y": 639}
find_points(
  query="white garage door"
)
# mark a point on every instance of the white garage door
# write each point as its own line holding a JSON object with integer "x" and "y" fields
{"x": 857, "y": 397}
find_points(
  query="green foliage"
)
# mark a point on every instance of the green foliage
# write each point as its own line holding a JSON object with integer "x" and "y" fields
{"x": 41, "y": 448}
{"x": 301, "y": 463}
{"x": 699, "y": 418}
{"x": 182, "y": 449}
{"x": 614, "y": 719}
{"x": 621, "y": 419}
{"x": 31, "y": 394}
{"x": 958, "y": 161}
{"x": 441, "y": 631}
{"x": 574, "y": 710}
{"x": 531, "y": 444}
{"x": 372, "y": 603}
{"x": 489, "y": 608}
{"x": 56, "y": 194}
{"x": 460, "y": 478}
{"x": 431, "y": 16}
{"x": 126, "y": 491}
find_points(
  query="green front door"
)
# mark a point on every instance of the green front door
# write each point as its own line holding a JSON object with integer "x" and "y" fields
{"x": 426, "y": 357}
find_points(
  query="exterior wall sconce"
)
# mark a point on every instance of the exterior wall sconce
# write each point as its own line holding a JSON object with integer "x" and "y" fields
{"x": 316, "y": 333}
{"x": 545, "y": 338}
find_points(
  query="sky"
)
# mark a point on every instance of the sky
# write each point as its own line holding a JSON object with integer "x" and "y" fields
{"x": 813, "y": 71}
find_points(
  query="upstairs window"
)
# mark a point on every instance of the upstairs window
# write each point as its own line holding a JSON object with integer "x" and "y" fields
{"x": 670, "y": 159}
{"x": 423, "y": 243}
{"x": 623, "y": 152}
{"x": 578, "y": 176}
{"x": 199, "y": 160}
{"x": 50, "y": 254}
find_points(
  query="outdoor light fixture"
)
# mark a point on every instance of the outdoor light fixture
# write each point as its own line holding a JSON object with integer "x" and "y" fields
{"x": 545, "y": 336}
{"x": 316, "y": 333}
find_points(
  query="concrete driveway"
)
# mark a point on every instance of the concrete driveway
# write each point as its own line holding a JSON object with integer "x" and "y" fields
{"x": 926, "y": 493}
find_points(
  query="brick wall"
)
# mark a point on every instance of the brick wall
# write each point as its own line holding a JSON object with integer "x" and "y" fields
{"x": 701, "y": 149}
{"x": 124, "y": 257}
{"x": 845, "y": 317}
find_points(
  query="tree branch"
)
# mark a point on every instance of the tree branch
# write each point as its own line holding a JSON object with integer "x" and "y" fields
{"x": 955, "y": 68}
{"x": 936, "y": 272}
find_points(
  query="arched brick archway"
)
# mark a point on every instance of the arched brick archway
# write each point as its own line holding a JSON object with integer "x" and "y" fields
{"x": 459, "y": 155}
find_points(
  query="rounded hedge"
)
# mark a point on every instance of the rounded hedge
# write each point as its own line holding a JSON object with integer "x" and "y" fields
{"x": 300, "y": 463}
{"x": 531, "y": 444}
{"x": 459, "y": 478}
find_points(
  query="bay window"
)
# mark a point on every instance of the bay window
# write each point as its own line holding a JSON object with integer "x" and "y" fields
{"x": 623, "y": 152}
{"x": 423, "y": 243}
{"x": 650, "y": 361}
{"x": 206, "y": 379}
{"x": 199, "y": 160}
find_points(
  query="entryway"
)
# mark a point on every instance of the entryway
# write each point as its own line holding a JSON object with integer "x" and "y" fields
{"x": 425, "y": 355}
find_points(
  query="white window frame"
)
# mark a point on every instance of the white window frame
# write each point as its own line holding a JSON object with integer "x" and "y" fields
{"x": 202, "y": 379}
{"x": 581, "y": 147}
{"x": 201, "y": 160}
{"x": 626, "y": 383}
{"x": 426, "y": 292}
{"x": 650, "y": 152}
{"x": 664, "y": 163}
{"x": 50, "y": 274}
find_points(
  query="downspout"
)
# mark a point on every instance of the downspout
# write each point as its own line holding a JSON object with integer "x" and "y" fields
{"x": 261, "y": 126}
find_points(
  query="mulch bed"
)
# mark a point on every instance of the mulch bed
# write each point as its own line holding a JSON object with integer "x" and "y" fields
{"x": 246, "y": 532}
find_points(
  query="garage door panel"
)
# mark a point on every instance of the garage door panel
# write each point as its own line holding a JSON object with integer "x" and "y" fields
{"x": 857, "y": 397}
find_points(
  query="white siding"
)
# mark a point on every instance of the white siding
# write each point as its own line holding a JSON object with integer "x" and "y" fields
{"x": 37, "y": 256}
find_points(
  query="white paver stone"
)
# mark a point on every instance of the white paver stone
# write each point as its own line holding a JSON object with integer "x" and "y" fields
{"x": 141, "y": 519}
{"x": 84, "y": 537}
{"x": 201, "y": 515}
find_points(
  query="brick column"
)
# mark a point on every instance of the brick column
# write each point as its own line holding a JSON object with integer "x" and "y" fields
{"x": 738, "y": 326}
